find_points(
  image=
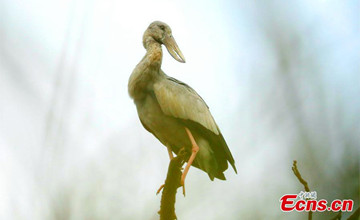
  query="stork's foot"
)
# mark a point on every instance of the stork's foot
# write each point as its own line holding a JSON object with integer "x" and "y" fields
{"x": 182, "y": 182}
{"x": 159, "y": 190}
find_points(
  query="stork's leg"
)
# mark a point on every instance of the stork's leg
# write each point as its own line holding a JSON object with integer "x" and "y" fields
{"x": 160, "y": 188}
{"x": 195, "y": 149}
{"x": 171, "y": 156}
{"x": 170, "y": 153}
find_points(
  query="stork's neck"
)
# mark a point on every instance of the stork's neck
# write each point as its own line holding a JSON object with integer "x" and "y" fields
{"x": 147, "y": 71}
{"x": 154, "y": 53}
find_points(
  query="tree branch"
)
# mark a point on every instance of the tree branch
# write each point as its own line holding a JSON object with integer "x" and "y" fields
{"x": 302, "y": 181}
{"x": 338, "y": 216}
{"x": 298, "y": 175}
{"x": 172, "y": 183}
{"x": 355, "y": 215}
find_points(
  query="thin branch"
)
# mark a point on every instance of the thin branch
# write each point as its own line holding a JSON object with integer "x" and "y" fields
{"x": 338, "y": 216}
{"x": 302, "y": 181}
{"x": 355, "y": 215}
{"x": 172, "y": 183}
{"x": 298, "y": 175}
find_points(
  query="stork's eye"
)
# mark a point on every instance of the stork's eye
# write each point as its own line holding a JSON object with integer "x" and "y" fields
{"x": 162, "y": 27}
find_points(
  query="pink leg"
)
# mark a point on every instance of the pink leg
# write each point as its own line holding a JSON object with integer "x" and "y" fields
{"x": 170, "y": 153}
{"x": 195, "y": 149}
{"x": 159, "y": 190}
{"x": 171, "y": 156}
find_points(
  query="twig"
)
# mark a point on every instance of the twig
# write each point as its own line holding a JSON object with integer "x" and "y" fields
{"x": 302, "y": 181}
{"x": 172, "y": 183}
{"x": 298, "y": 175}
{"x": 338, "y": 216}
{"x": 355, "y": 215}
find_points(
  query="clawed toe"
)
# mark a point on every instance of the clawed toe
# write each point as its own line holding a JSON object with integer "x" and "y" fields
{"x": 182, "y": 183}
{"x": 159, "y": 190}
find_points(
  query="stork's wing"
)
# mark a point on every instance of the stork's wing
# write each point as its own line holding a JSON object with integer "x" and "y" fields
{"x": 179, "y": 100}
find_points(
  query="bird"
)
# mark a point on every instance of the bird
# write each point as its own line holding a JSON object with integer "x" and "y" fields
{"x": 173, "y": 111}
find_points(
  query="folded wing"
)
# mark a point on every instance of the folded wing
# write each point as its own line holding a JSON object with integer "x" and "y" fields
{"x": 179, "y": 100}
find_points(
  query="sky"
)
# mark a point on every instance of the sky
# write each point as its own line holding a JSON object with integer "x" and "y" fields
{"x": 70, "y": 137}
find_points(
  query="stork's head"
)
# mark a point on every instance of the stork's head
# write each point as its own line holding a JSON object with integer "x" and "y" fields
{"x": 161, "y": 33}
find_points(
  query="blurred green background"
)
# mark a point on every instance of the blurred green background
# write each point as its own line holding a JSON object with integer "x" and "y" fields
{"x": 281, "y": 78}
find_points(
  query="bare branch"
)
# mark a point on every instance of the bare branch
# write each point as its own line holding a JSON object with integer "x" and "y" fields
{"x": 298, "y": 175}
{"x": 172, "y": 183}
{"x": 355, "y": 215}
{"x": 302, "y": 181}
{"x": 338, "y": 216}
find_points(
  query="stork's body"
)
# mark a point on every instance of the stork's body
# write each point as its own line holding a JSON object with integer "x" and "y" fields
{"x": 172, "y": 111}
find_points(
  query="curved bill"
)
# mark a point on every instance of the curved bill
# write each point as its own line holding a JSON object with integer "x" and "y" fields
{"x": 173, "y": 49}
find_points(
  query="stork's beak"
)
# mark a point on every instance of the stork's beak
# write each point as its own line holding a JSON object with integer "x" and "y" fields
{"x": 173, "y": 49}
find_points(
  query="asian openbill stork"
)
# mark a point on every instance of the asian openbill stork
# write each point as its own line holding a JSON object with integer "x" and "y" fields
{"x": 173, "y": 112}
